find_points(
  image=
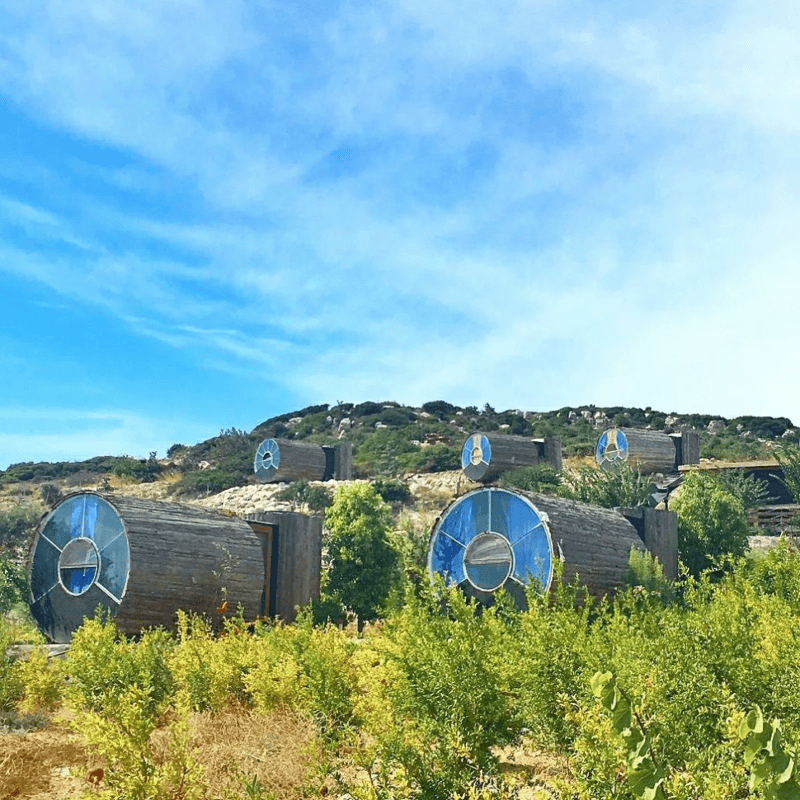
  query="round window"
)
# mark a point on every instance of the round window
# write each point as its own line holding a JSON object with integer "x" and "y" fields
{"x": 488, "y": 561}
{"x": 78, "y": 565}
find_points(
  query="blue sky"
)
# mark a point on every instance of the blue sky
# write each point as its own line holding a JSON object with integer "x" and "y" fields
{"x": 215, "y": 212}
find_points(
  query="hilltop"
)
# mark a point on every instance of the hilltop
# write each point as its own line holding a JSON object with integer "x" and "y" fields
{"x": 391, "y": 440}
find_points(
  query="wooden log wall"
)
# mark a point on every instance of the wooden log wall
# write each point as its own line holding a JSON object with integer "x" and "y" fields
{"x": 298, "y": 461}
{"x": 509, "y": 452}
{"x": 292, "y": 555}
{"x": 658, "y": 529}
{"x": 186, "y": 557}
{"x": 167, "y": 556}
{"x": 687, "y": 447}
{"x": 649, "y": 451}
{"x": 594, "y": 543}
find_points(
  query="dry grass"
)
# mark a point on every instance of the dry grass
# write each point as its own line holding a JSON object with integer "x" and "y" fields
{"x": 238, "y": 745}
{"x": 42, "y": 765}
{"x": 235, "y": 746}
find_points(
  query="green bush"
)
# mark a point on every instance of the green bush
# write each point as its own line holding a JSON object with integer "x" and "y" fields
{"x": 207, "y": 481}
{"x": 14, "y": 586}
{"x": 712, "y": 522}
{"x": 17, "y": 524}
{"x": 622, "y": 486}
{"x": 391, "y": 490}
{"x": 436, "y": 458}
{"x": 538, "y": 478}
{"x": 104, "y": 666}
{"x": 446, "y": 680}
{"x": 363, "y": 564}
{"x": 300, "y": 493}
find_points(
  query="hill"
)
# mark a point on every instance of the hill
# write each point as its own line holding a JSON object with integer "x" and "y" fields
{"x": 391, "y": 440}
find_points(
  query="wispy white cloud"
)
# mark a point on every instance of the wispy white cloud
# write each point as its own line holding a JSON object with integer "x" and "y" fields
{"x": 529, "y": 204}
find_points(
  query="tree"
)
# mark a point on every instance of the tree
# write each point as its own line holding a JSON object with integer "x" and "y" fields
{"x": 712, "y": 522}
{"x": 364, "y": 567}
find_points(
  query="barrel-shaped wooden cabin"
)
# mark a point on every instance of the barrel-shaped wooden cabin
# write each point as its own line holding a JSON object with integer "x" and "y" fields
{"x": 647, "y": 450}
{"x": 495, "y": 537}
{"x": 486, "y": 456}
{"x": 283, "y": 460}
{"x": 141, "y": 560}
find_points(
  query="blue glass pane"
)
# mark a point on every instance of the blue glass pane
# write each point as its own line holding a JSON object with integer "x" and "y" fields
{"x": 114, "y": 566}
{"x": 602, "y": 444}
{"x": 107, "y": 524}
{"x": 44, "y": 570}
{"x": 78, "y": 579}
{"x": 488, "y": 576}
{"x": 476, "y": 450}
{"x": 90, "y": 514}
{"x": 468, "y": 517}
{"x": 447, "y": 558}
{"x": 466, "y": 453}
{"x": 511, "y": 515}
{"x": 533, "y": 557}
{"x": 59, "y": 527}
{"x": 76, "y": 508}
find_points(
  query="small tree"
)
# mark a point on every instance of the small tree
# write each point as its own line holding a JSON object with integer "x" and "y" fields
{"x": 363, "y": 564}
{"x": 712, "y": 522}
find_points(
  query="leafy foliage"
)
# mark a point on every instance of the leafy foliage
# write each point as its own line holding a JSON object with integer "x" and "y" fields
{"x": 772, "y": 764}
{"x": 302, "y": 493}
{"x": 789, "y": 459}
{"x": 712, "y": 522}
{"x": 363, "y": 564}
{"x": 17, "y": 524}
{"x": 623, "y": 486}
{"x": 391, "y": 490}
{"x": 13, "y": 584}
{"x": 538, "y": 478}
{"x": 644, "y": 777}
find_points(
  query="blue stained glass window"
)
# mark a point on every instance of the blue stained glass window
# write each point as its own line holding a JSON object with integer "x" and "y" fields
{"x": 533, "y": 558}
{"x": 77, "y": 565}
{"x": 468, "y": 517}
{"x": 43, "y": 573}
{"x": 114, "y": 558}
{"x": 612, "y": 446}
{"x": 59, "y": 527}
{"x": 268, "y": 457}
{"x": 488, "y": 533}
{"x": 107, "y": 525}
{"x": 447, "y": 558}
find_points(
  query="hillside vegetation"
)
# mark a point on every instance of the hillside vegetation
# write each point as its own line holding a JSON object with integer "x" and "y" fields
{"x": 391, "y": 687}
{"x": 390, "y": 440}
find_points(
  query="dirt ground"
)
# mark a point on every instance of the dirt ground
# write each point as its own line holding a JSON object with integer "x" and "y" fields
{"x": 235, "y": 747}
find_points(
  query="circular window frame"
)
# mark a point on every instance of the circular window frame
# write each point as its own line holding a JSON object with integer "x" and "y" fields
{"x": 511, "y": 562}
{"x": 97, "y": 565}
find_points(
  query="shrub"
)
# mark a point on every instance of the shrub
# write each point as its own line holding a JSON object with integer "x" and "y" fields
{"x": 438, "y": 698}
{"x": 363, "y": 564}
{"x": 13, "y": 584}
{"x": 622, "y": 486}
{"x": 17, "y": 524}
{"x": 436, "y": 458}
{"x": 391, "y": 490}
{"x": 207, "y": 481}
{"x": 439, "y": 408}
{"x": 712, "y": 522}
{"x": 537, "y": 478}
{"x": 299, "y": 493}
